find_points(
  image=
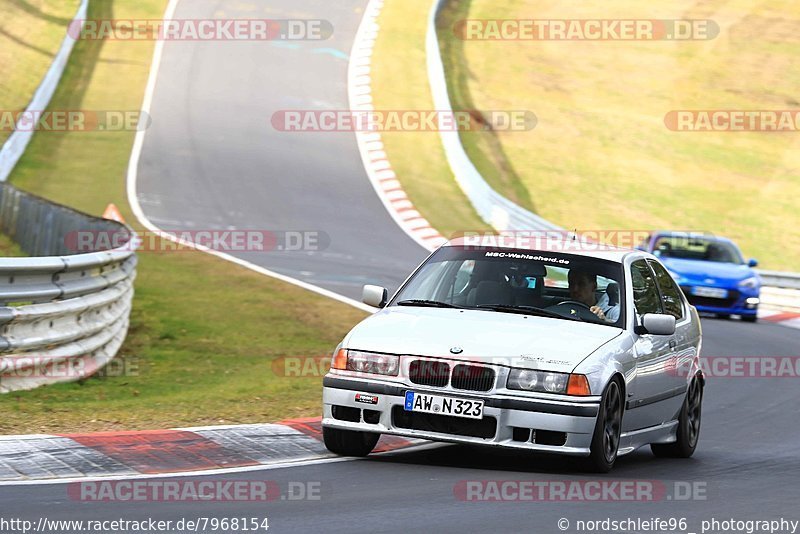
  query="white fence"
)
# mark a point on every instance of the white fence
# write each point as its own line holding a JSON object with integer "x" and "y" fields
{"x": 18, "y": 141}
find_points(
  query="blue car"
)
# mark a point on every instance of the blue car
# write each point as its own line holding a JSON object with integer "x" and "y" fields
{"x": 711, "y": 271}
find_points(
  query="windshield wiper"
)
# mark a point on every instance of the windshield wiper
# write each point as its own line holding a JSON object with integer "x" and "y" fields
{"x": 526, "y": 310}
{"x": 426, "y": 303}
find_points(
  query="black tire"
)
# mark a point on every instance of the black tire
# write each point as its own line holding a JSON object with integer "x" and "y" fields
{"x": 749, "y": 318}
{"x": 349, "y": 442}
{"x": 607, "y": 430}
{"x": 688, "y": 425}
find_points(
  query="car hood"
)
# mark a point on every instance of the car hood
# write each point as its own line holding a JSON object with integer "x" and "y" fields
{"x": 482, "y": 335}
{"x": 700, "y": 270}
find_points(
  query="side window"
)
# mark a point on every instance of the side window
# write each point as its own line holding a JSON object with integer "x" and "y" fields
{"x": 645, "y": 292}
{"x": 673, "y": 303}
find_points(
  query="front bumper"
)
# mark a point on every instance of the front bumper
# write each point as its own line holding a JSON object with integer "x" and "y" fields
{"x": 742, "y": 301}
{"x": 542, "y": 422}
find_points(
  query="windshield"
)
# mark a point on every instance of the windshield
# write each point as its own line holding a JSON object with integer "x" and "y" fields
{"x": 562, "y": 286}
{"x": 697, "y": 249}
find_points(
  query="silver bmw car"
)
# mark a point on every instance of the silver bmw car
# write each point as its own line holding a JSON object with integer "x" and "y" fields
{"x": 591, "y": 352}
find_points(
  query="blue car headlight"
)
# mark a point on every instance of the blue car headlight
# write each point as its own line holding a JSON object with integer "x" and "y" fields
{"x": 750, "y": 283}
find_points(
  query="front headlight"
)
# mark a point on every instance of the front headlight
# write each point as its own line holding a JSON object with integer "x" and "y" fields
{"x": 366, "y": 362}
{"x": 541, "y": 381}
{"x": 548, "y": 382}
{"x": 751, "y": 282}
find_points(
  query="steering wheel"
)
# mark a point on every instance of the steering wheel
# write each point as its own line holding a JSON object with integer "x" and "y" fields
{"x": 574, "y": 308}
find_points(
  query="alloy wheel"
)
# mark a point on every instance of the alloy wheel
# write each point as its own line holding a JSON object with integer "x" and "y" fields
{"x": 612, "y": 421}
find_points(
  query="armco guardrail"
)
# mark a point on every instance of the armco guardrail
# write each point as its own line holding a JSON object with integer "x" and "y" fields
{"x": 15, "y": 145}
{"x": 63, "y": 315}
{"x": 780, "y": 290}
{"x": 780, "y": 279}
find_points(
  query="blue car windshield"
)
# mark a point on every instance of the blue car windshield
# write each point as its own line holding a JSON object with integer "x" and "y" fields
{"x": 697, "y": 249}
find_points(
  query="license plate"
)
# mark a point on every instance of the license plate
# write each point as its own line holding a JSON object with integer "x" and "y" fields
{"x": 713, "y": 292}
{"x": 436, "y": 404}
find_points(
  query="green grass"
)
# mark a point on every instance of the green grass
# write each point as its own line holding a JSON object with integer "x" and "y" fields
{"x": 400, "y": 81}
{"x": 31, "y": 32}
{"x": 8, "y": 248}
{"x": 204, "y": 333}
{"x": 600, "y": 156}
{"x": 484, "y": 148}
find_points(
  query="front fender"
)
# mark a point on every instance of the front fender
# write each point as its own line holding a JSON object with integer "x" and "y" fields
{"x": 612, "y": 358}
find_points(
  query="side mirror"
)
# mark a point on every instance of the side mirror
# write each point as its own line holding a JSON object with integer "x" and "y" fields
{"x": 753, "y": 262}
{"x": 375, "y": 296}
{"x": 658, "y": 324}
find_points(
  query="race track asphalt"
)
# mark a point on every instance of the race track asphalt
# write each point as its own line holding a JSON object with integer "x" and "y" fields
{"x": 747, "y": 467}
{"x": 211, "y": 160}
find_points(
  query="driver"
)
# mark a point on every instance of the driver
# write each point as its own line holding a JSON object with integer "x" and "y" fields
{"x": 583, "y": 289}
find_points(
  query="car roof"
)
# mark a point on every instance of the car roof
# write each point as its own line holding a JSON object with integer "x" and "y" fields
{"x": 545, "y": 242}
